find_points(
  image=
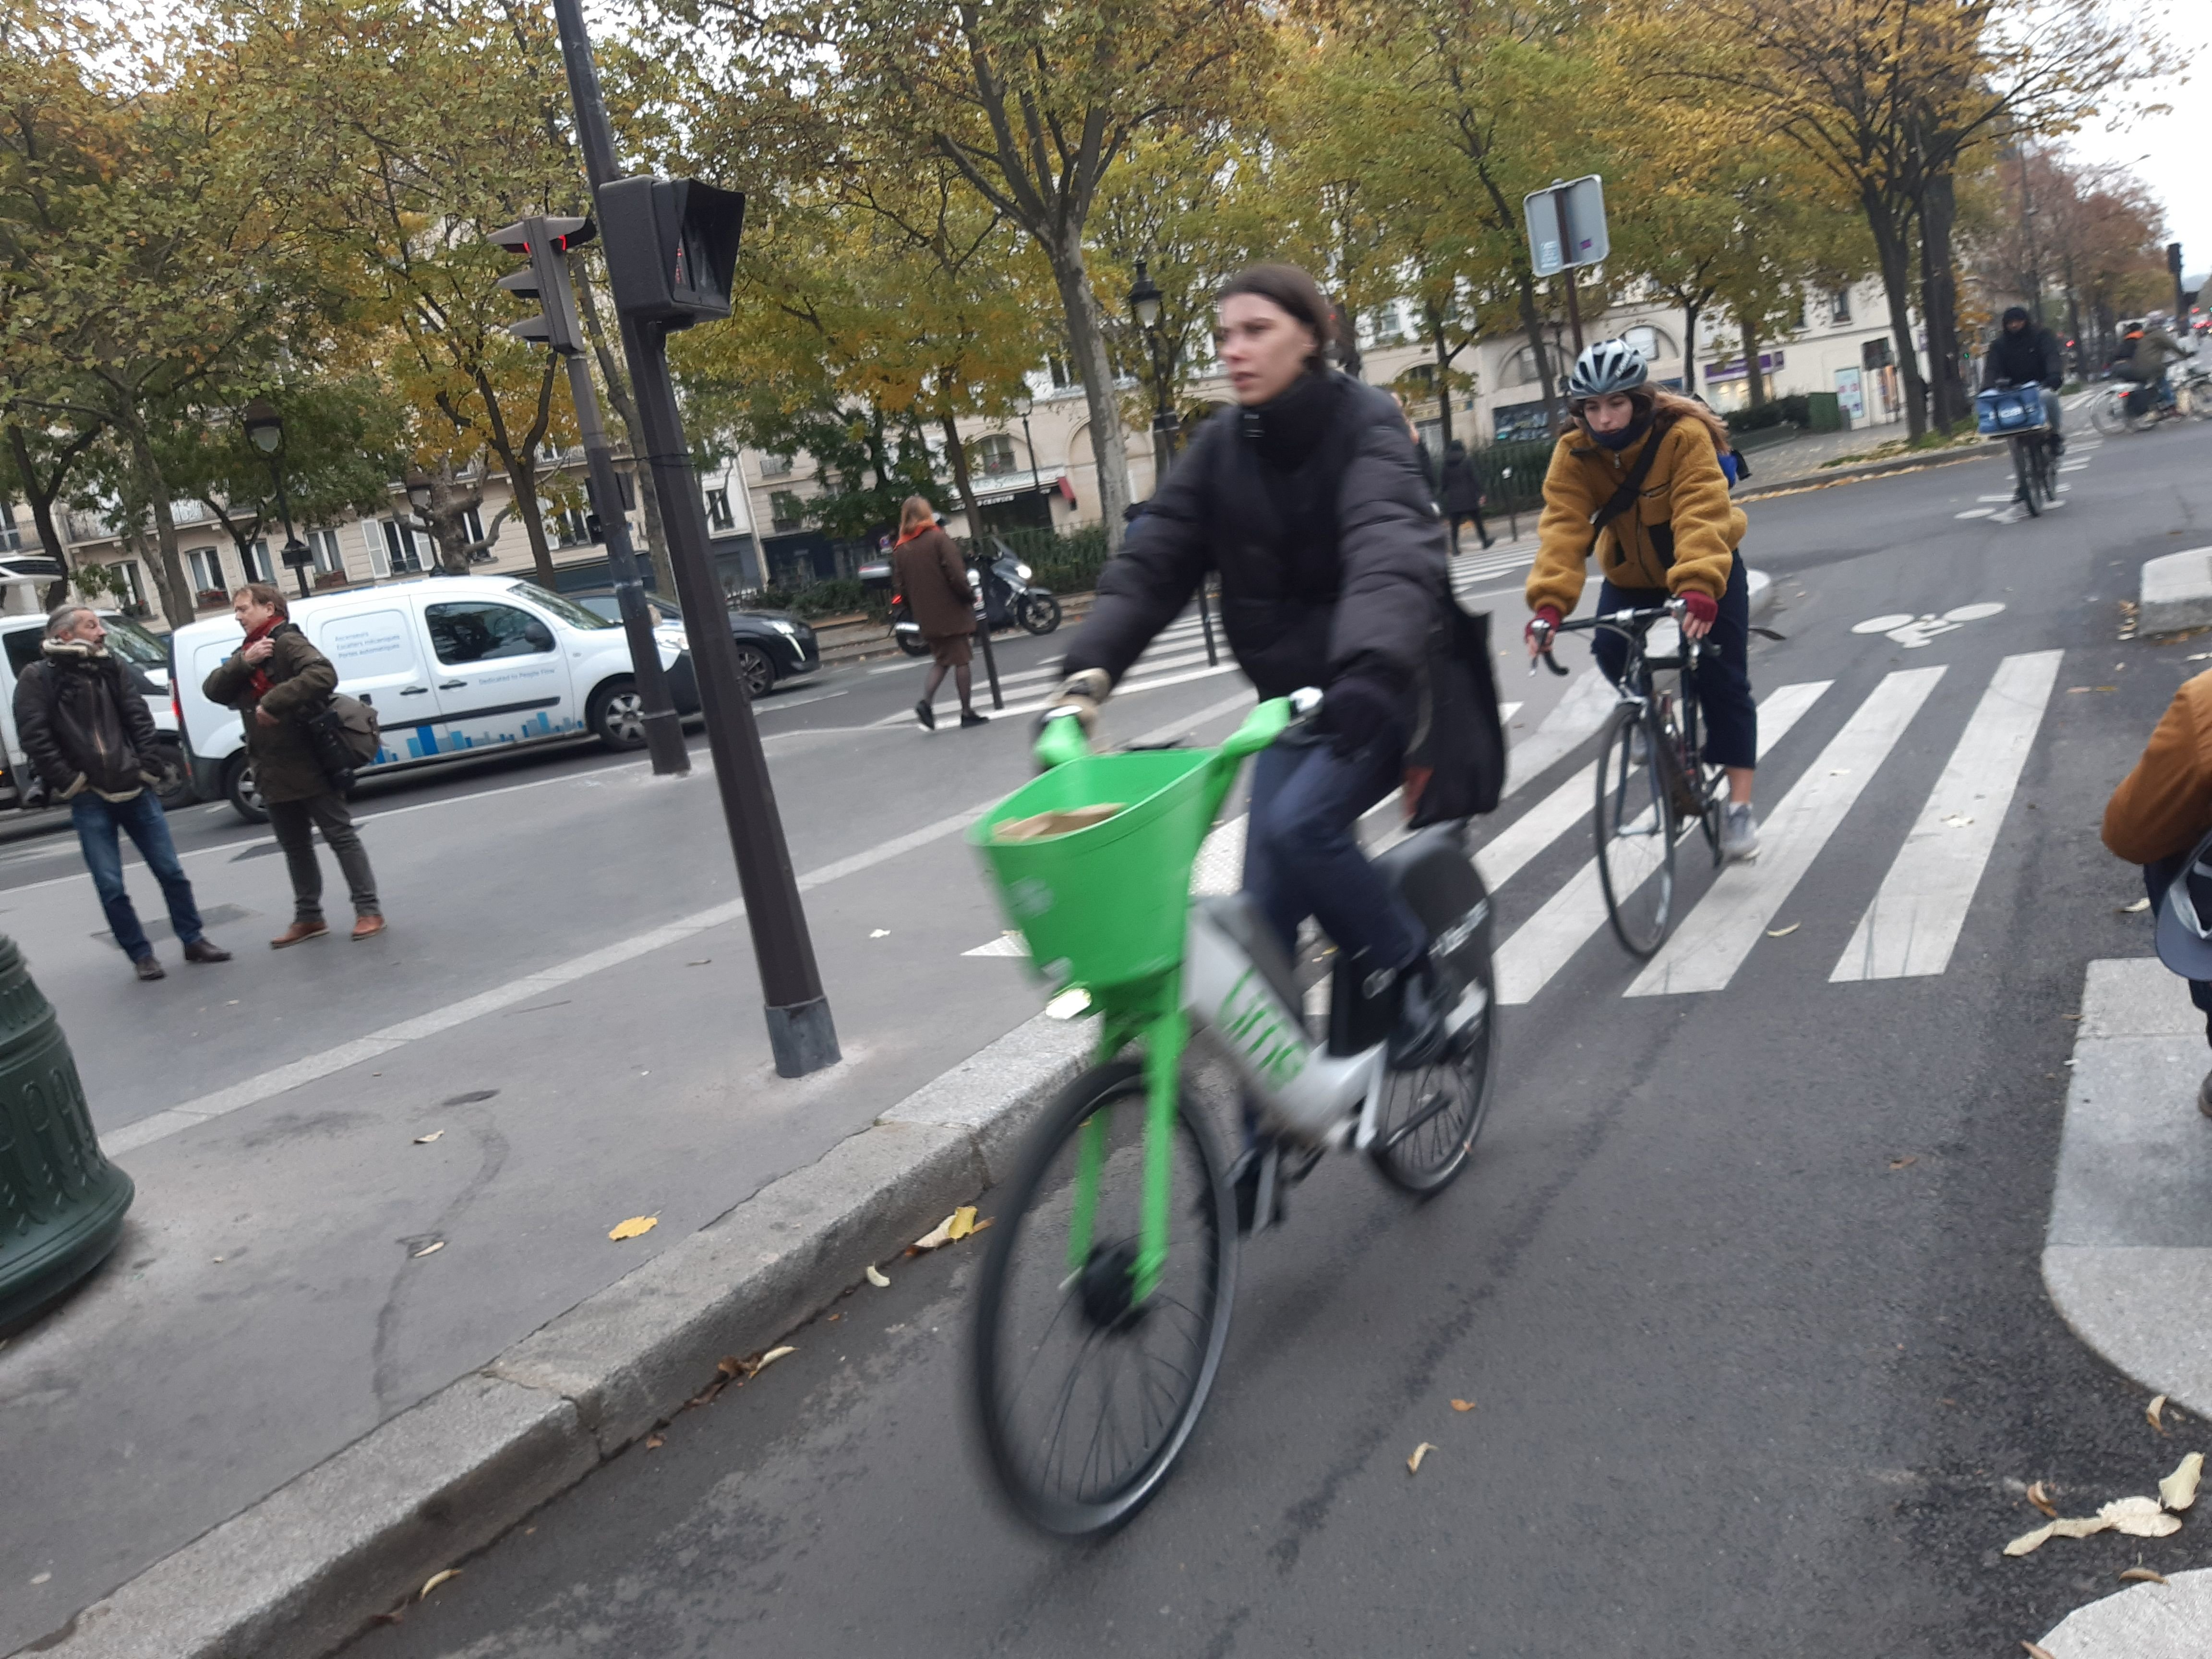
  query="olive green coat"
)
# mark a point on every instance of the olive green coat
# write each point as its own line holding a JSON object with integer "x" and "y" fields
{"x": 301, "y": 680}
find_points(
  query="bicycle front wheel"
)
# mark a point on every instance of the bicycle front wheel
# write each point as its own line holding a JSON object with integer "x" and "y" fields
{"x": 1086, "y": 1390}
{"x": 2023, "y": 470}
{"x": 2109, "y": 415}
{"x": 1635, "y": 826}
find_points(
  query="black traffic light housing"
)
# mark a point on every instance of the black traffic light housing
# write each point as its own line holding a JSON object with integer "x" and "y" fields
{"x": 671, "y": 247}
{"x": 546, "y": 242}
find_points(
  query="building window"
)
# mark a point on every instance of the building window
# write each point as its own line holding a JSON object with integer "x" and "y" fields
{"x": 719, "y": 515}
{"x": 206, "y": 566}
{"x": 404, "y": 549}
{"x": 1520, "y": 368}
{"x": 786, "y": 511}
{"x": 473, "y": 523}
{"x": 323, "y": 544}
{"x": 1062, "y": 371}
{"x": 571, "y": 527}
{"x": 776, "y": 466}
{"x": 1839, "y": 306}
{"x": 133, "y": 587}
{"x": 1651, "y": 344}
{"x": 257, "y": 562}
{"x": 994, "y": 456}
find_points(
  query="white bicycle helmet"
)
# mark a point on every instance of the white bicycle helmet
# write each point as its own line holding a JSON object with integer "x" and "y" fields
{"x": 1608, "y": 365}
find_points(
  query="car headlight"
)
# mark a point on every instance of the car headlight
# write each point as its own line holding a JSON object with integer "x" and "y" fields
{"x": 1021, "y": 570}
{"x": 786, "y": 629}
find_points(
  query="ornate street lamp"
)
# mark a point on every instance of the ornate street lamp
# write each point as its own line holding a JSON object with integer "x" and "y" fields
{"x": 265, "y": 430}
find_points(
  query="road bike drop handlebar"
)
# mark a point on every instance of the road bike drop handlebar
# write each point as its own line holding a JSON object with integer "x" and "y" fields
{"x": 1630, "y": 624}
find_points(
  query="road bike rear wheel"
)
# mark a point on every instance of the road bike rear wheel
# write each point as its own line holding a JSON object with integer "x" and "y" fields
{"x": 1635, "y": 826}
{"x": 1085, "y": 1393}
{"x": 1425, "y": 1132}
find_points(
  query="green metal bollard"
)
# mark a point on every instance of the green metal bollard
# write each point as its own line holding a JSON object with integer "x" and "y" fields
{"x": 61, "y": 1201}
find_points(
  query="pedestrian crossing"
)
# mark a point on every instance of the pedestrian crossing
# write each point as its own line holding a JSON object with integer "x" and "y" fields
{"x": 1175, "y": 658}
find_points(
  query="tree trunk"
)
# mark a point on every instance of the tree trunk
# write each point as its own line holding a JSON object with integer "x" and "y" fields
{"x": 1443, "y": 389}
{"x": 41, "y": 495}
{"x": 1532, "y": 321}
{"x": 1754, "y": 377}
{"x": 1938, "y": 305}
{"x": 522, "y": 478}
{"x": 958, "y": 456}
{"x": 521, "y": 462}
{"x": 447, "y": 519}
{"x": 616, "y": 387}
{"x": 1896, "y": 289}
{"x": 1088, "y": 346}
{"x": 177, "y": 592}
{"x": 1690, "y": 310}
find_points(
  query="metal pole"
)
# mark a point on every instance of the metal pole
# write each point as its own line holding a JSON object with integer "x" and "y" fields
{"x": 284, "y": 510}
{"x": 800, "y": 1028}
{"x": 983, "y": 628}
{"x": 1567, "y": 263}
{"x": 664, "y": 726}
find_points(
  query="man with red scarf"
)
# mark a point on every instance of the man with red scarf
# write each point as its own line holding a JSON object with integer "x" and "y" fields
{"x": 275, "y": 679}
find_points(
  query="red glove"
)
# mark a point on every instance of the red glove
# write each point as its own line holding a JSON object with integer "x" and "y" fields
{"x": 1549, "y": 615}
{"x": 1704, "y": 606}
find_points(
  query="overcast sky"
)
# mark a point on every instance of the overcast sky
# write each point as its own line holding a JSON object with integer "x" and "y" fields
{"x": 2172, "y": 153}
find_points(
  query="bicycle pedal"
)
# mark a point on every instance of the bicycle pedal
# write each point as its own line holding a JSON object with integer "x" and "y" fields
{"x": 1298, "y": 1168}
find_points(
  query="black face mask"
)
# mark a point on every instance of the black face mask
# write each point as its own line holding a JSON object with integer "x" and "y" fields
{"x": 1628, "y": 435}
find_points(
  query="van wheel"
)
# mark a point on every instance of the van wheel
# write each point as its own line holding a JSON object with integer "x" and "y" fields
{"x": 238, "y": 785}
{"x": 175, "y": 790}
{"x": 616, "y": 715}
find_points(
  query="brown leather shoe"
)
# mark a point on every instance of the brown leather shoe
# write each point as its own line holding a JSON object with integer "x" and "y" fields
{"x": 206, "y": 950}
{"x": 366, "y": 927}
{"x": 298, "y": 931}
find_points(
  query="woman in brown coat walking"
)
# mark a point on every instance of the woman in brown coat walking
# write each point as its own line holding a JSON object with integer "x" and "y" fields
{"x": 935, "y": 583}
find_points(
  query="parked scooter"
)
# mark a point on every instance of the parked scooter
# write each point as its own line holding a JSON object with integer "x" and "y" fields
{"x": 1012, "y": 598}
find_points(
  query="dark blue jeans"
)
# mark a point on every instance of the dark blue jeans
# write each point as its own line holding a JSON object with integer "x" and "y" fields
{"x": 97, "y": 822}
{"x": 1302, "y": 857}
{"x": 1724, "y": 677}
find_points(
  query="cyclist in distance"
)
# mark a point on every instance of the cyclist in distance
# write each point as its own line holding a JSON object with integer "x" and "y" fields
{"x": 2024, "y": 355}
{"x": 1309, "y": 500}
{"x": 1676, "y": 539}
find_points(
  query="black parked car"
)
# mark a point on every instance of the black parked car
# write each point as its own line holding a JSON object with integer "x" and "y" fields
{"x": 772, "y": 646}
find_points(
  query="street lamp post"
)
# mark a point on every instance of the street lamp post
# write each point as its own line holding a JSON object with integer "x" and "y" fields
{"x": 265, "y": 430}
{"x": 1023, "y": 404}
{"x": 1145, "y": 300}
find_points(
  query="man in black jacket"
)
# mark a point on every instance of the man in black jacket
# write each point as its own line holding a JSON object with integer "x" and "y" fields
{"x": 2024, "y": 355}
{"x": 1309, "y": 500}
{"x": 86, "y": 732}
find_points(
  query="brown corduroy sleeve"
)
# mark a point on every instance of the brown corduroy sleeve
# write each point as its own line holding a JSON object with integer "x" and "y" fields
{"x": 2164, "y": 805}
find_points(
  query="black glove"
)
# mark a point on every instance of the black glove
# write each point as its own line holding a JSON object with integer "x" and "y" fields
{"x": 1364, "y": 708}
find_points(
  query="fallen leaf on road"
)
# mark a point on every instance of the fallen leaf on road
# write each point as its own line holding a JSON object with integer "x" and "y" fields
{"x": 2035, "y": 1652}
{"x": 2140, "y": 1517}
{"x": 2080, "y": 1526}
{"x": 429, "y": 1249}
{"x": 963, "y": 1222}
{"x": 2028, "y": 1542}
{"x": 875, "y": 1278}
{"x": 2142, "y": 1576}
{"x": 655, "y": 1443}
{"x": 956, "y": 1226}
{"x": 2202, "y": 656}
{"x": 2041, "y": 1500}
{"x": 438, "y": 1578}
{"x": 1462, "y": 1404}
{"x": 424, "y": 1140}
{"x": 2136, "y": 908}
{"x": 771, "y": 1357}
{"x": 2178, "y": 1490}
{"x": 390, "y": 1618}
{"x": 635, "y": 1227}
{"x": 881, "y": 932}
{"x": 1783, "y": 933}
{"x": 1413, "y": 1463}
{"x": 2154, "y": 1411}
{"x": 701, "y": 963}
{"x": 1905, "y": 1162}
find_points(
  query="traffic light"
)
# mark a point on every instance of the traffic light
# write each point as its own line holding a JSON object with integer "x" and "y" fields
{"x": 547, "y": 242}
{"x": 672, "y": 246}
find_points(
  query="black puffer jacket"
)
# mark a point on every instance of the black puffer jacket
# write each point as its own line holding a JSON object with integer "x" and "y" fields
{"x": 78, "y": 714}
{"x": 1314, "y": 509}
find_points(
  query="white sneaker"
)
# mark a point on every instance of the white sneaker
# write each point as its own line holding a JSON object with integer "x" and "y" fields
{"x": 1739, "y": 833}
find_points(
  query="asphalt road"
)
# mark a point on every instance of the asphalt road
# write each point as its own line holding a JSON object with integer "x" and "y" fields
{"x": 1743, "y": 1282}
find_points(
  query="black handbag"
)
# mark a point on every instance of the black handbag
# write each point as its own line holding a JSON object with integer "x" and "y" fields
{"x": 1456, "y": 765}
{"x": 345, "y": 735}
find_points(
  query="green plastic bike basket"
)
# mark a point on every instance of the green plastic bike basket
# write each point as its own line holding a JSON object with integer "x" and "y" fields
{"x": 1108, "y": 901}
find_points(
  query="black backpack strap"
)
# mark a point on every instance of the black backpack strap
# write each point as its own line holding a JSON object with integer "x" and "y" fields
{"x": 1633, "y": 485}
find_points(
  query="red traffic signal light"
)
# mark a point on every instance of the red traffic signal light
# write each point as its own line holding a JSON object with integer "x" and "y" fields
{"x": 559, "y": 233}
{"x": 546, "y": 242}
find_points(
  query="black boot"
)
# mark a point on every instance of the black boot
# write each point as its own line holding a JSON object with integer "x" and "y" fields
{"x": 1417, "y": 1038}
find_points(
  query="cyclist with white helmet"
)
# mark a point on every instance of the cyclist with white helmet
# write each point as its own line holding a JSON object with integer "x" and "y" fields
{"x": 1636, "y": 480}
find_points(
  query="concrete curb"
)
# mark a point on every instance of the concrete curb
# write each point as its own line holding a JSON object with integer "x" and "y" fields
{"x": 2144, "y": 1621}
{"x": 1764, "y": 593}
{"x": 303, "y": 1569}
{"x": 2176, "y": 592}
{"x": 1913, "y": 463}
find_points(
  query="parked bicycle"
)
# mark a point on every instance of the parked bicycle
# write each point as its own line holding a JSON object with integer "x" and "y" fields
{"x": 1653, "y": 780}
{"x": 1103, "y": 1305}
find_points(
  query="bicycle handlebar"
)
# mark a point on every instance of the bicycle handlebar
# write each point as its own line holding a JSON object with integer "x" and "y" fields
{"x": 1621, "y": 621}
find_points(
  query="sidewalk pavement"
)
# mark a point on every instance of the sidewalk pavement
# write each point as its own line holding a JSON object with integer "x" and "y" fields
{"x": 2127, "y": 1257}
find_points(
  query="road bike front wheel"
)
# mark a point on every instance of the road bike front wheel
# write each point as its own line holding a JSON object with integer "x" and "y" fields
{"x": 1086, "y": 1391}
{"x": 2109, "y": 415}
{"x": 2023, "y": 470}
{"x": 1635, "y": 826}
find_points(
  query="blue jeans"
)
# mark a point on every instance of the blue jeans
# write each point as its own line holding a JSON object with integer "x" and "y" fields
{"x": 1301, "y": 858}
{"x": 97, "y": 822}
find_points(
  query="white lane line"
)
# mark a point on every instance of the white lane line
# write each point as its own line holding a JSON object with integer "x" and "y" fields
{"x": 1190, "y": 625}
{"x": 1717, "y": 936}
{"x": 1126, "y": 689}
{"x": 1504, "y": 855}
{"x": 1547, "y": 941}
{"x": 1588, "y": 701}
{"x": 1913, "y": 924}
{"x": 160, "y": 1125}
{"x": 777, "y": 705}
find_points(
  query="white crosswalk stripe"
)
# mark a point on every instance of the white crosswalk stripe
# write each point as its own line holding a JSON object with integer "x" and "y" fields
{"x": 1548, "y": 940}
{"x": 1914, "y": 921}
{"x": 1714, "y": 938}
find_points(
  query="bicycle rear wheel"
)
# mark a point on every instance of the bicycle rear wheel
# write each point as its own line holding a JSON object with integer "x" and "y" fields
{"x": 1426, "y": 1130}
{"x": 1635, "y": 826}
{"x": 2023, "y": 469}
{"x": 1086, "y": 1394}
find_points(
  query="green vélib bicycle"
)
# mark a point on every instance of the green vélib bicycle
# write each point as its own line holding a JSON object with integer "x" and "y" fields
{"x": 1102, "y": 1306}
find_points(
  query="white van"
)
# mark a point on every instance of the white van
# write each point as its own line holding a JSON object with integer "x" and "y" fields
{"x": 452, "y": 665}
{"x": 145, "y": 661}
